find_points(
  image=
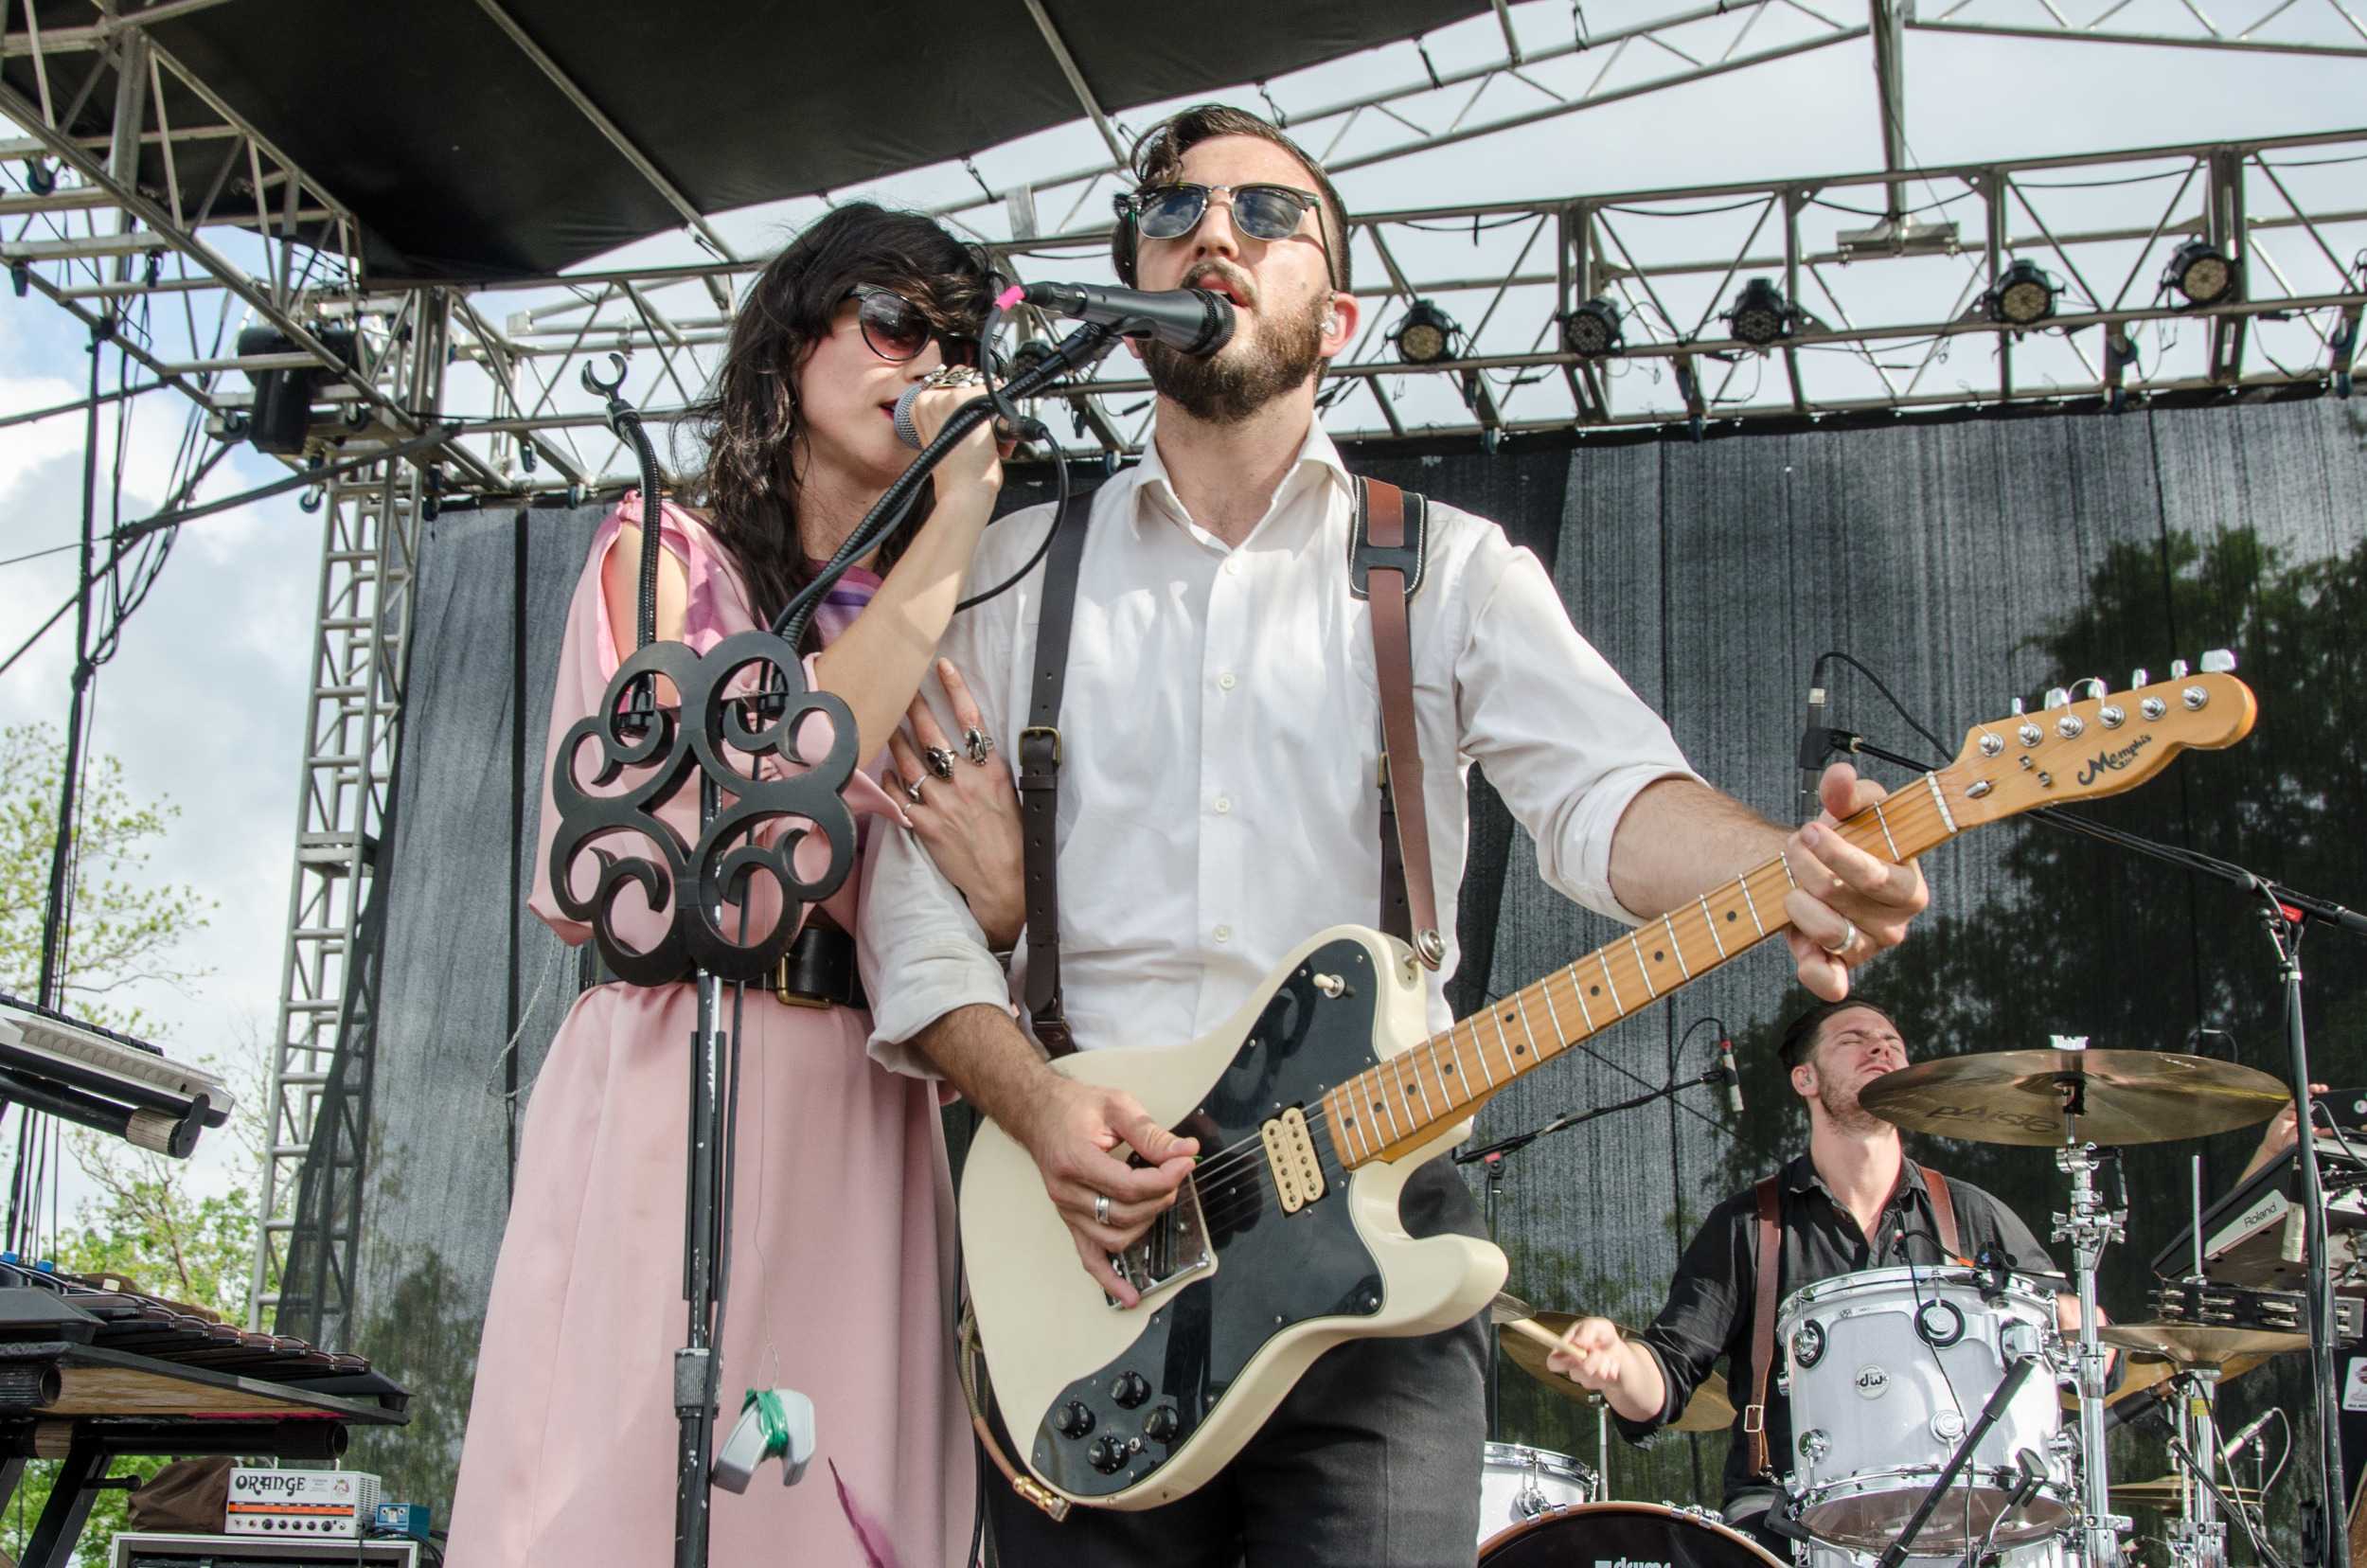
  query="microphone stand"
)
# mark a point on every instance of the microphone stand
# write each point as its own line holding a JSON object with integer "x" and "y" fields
{"x": 2288, "y": 915}
{"x": 721, "y": 714}
{"x": 1495, "y": 1156}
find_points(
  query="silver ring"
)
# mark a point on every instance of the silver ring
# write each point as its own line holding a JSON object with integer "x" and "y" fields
{"x": 1848, "y": 940}
{"x": 912, "y": 790}
{"x": 941, "y": 761}
{"x": 954, "y": 375}
{"x": 979, "y": 744}
{"x": 1101, "y": 1208}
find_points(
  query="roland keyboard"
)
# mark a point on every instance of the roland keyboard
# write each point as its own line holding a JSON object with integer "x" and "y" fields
{"x": 98, "y": 1078}
{"x": 2254, "y": 1235}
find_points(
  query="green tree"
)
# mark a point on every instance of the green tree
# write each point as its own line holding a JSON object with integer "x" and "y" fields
{"x": 125, "y": 930}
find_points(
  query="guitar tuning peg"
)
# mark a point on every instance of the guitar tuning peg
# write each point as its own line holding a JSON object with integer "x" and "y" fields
{"x": 2138, "y": 678}
{"x": 2219, "y": 660}
{"x": 2092, "y": 685}
{"x": 2017, "y": 707}
{"x": 2178, "y": 670}
{"x": 2056, "y": 697}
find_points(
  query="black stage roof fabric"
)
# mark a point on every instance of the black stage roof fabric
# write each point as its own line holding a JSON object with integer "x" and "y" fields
{"x": 464, "y": 161}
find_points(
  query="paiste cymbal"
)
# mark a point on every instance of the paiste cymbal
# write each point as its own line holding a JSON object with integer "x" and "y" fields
{"x": 2146, "y": 1369}
{"x": 1528, "y": 1341}
{"x": 2164, "y": 1492}
{"x": 2199, "y": 1343}
{"x": 2125, "y": 1096}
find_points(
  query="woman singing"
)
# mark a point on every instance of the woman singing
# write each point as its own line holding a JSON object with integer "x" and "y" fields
{"x": 842, "y": 1262}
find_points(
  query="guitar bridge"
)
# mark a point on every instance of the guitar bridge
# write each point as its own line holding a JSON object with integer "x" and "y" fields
{"x": 1175, "y": 1245}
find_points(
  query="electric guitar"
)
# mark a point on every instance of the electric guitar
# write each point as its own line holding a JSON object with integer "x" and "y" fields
{"x": 1318, "y": 1099}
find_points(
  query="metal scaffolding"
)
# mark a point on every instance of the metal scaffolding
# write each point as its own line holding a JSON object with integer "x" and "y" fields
{"x": 1887, "y": 282}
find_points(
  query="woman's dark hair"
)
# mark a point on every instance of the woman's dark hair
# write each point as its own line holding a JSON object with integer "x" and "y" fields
{"x": 750, "y": 420}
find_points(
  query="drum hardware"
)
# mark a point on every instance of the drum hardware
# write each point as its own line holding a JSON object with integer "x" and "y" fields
{"x": 2002, "y": 1396}
{"x": 1518, "y": 1484}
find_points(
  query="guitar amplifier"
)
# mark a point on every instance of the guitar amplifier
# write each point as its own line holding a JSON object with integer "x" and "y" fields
{"x": 322, "y": 1505}
{"x": 157, "y": 1550}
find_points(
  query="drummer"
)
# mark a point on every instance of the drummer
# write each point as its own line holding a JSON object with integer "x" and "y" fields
{"x": 1852, "y": 1201}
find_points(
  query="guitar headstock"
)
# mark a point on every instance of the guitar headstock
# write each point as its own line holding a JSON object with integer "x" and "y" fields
{"x": 2072, "y": 751}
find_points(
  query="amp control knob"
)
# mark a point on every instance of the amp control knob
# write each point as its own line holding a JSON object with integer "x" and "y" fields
{"x": 1108, "y": 1455}
{"x": 1131, "y": 1389}
{"x": 1161, "y": 1425}
{"x": 1072, "y": 1419}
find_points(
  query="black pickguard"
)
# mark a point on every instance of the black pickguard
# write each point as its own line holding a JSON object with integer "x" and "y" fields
{"x": 1273, "y": 1268}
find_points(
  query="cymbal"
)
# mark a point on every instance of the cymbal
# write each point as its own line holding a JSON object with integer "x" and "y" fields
{"x": 1527, "y": 1342}
{"x": 2128, "y": 1097}
{"x": 2163, "y": 1492}
{"x": 2146, "y": 1370}
{"x": 2197, "y": 1344}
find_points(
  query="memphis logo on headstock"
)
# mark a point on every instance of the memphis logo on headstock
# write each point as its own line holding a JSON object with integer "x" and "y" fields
{"x": 2113, "y": 760}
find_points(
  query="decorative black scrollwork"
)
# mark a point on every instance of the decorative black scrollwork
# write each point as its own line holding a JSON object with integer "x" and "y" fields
{"x": 756, "y": 720}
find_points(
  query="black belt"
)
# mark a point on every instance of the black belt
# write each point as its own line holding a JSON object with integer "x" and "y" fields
{"x": 818, "y": 971}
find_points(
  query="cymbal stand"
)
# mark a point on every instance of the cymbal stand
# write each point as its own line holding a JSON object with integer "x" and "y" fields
{"x": 2198, "y": 1535}
{"x": 2089, "y": 1226}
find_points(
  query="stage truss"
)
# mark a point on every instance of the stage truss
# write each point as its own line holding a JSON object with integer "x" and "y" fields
{"x": 471, "y": 392}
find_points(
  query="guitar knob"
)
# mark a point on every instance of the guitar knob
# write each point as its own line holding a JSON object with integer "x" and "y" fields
{"x": 1107, "y": 1455}
{"x": 1072, "y": 1419}
{"x": 1162, "y": 1424}
{"x": 1130, "y": 1390}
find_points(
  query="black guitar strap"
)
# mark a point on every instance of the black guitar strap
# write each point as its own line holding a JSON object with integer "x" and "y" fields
{"x": 1397, "y": 556}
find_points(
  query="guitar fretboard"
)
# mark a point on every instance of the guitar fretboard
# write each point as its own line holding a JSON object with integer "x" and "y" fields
{"x": 1406, "y": 1100}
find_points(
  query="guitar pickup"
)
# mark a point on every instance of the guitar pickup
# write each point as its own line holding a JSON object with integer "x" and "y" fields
{"x": 1298, "y": 1176}
{"x": 1175, "y": 1245}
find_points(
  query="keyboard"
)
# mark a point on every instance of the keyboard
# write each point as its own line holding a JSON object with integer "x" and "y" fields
{"x": 99, "y": 1078}
{"x": 2252, "y": 1236}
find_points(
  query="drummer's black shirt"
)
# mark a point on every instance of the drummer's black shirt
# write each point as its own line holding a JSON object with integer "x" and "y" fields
{"x": 1710, "y": 1305}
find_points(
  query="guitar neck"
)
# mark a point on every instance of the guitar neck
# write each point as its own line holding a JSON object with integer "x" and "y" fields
{"x": 1407, "y": 1100}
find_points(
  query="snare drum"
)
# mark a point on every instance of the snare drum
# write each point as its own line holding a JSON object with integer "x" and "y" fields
{"x": 1637, "y": 1534}
{"x": 1519, "y": 1484}
{"x": 1885, "y": 1371}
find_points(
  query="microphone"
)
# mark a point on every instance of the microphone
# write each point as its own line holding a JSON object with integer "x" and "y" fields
{"x": 1816, "y": 743}
{"x": 1191, "y": 321}
{"x": 1734, "y": 1079}
{"x": 2243, "y": 1438}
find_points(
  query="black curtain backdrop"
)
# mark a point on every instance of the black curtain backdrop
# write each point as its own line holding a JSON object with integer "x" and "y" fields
{"x": 1969, "y": 563}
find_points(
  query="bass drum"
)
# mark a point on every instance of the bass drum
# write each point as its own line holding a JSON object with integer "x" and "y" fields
{"x": 1623, "y": 1535}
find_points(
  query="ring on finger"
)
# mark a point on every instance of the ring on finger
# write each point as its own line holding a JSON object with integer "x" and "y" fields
{"x": 1101, "y": 1208}
{"x": 912, "y": 790}
{"x": 1848, "y": 940}
{"x": 978, "y": 743}
{"x": 941, "y": 761}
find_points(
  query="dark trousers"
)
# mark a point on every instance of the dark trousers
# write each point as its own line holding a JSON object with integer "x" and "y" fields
{"x": 1372, "y": 1461}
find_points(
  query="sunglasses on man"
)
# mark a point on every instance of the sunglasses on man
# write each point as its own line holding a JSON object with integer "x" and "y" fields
{"x": 895, "y": 328}
{"x": 1260, "y": 211}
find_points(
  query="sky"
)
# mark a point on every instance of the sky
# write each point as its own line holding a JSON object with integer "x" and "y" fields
{"x": 205, "y": 702}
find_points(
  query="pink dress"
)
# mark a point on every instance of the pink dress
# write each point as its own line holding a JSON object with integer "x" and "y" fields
{"x": 843, "y": 1242}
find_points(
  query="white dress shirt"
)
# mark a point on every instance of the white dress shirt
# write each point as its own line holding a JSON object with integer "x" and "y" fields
{"x": 1220, "y": 737}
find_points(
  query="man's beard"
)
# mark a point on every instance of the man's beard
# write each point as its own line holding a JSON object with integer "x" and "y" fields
{"x": 1235, "y": 382}
{"x": 1842, "y": 1109}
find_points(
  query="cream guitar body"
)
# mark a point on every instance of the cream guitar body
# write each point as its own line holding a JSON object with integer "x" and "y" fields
{"x": 1135, "y": 1407}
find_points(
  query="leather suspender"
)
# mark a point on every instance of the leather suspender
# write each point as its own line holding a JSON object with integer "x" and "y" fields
{"x": 1770, "y": 1192}
{"x": 1943, "y": 1210}
{"x": 1385, "y": 566}
{"x": 1040, "y": 780}
{"x": 1388, "y": 549}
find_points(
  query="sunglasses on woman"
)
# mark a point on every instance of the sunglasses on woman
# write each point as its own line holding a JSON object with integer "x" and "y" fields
{"x": 895, "y": 328}
{"x": 1260, "y": 211}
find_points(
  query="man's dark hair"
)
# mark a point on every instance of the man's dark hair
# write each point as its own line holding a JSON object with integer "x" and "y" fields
{"x": 1158, "y": 159}
{"x": 1800, "y": 1034}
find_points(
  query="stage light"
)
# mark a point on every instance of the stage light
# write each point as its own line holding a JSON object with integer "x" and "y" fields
{"x": 1593, "y": 330}
{"x": 1761, "y": 314}
{"x": 2023, "y": 296}
{"x": 2201, "y": 272}
{"x": 1426, "y": 335}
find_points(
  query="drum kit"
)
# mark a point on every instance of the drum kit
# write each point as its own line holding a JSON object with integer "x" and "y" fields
{"x": 1940, "y": 1414}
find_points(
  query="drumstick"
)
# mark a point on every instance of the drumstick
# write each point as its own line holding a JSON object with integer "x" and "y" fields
{"x": 1540, "y": 1334}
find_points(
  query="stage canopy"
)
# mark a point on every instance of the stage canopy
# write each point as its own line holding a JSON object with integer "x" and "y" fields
{"x": 467, "y": 135}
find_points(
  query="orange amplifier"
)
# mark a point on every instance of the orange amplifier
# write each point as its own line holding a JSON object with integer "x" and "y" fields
{"x": 333, "y": 1505}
